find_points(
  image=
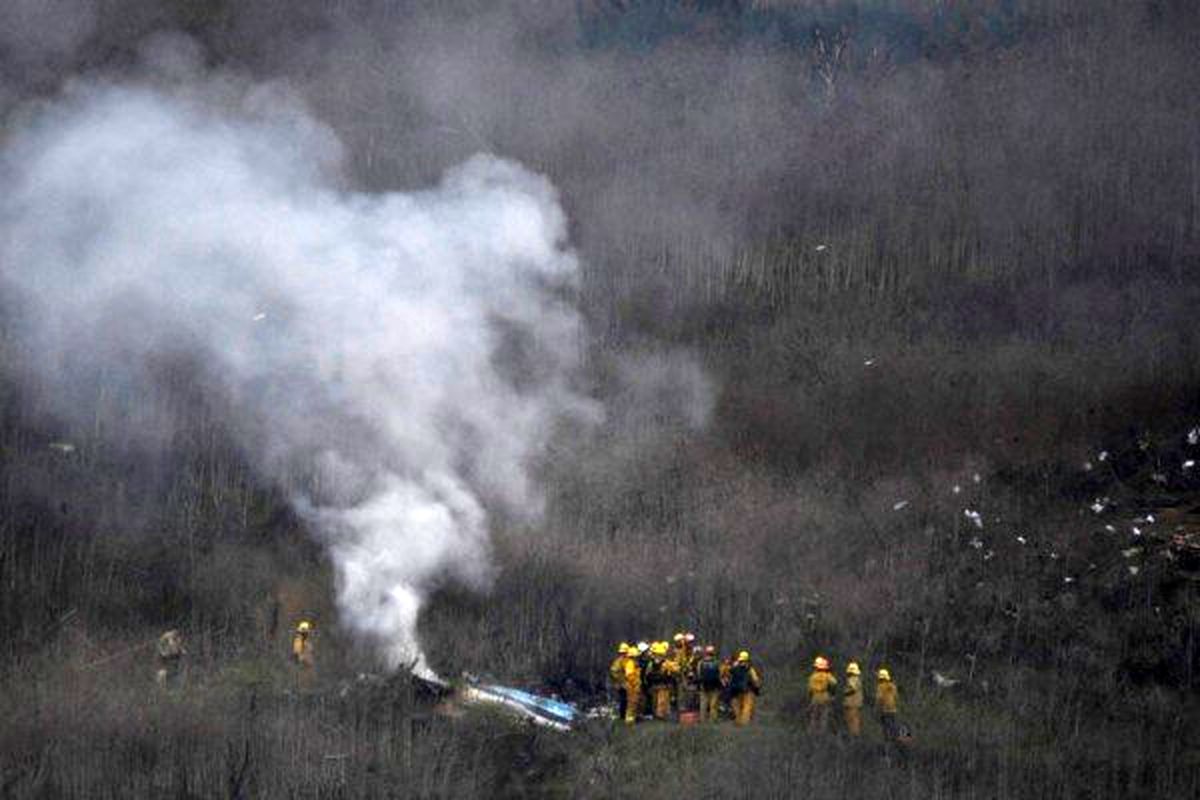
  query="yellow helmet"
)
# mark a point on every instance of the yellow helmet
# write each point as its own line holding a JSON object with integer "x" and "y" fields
{"x": 883, "y": 675}
{"x": 743, "y": 656}
{"x": 821, "y": 662}
{"x": 623, "y": 648}
{"x": 659, "y": 649}
{"x": 852, "y": 668}
{"x": 304, "y": 627}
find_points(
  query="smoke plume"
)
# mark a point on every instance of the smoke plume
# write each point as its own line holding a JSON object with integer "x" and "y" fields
{"x": 393, "y": 361}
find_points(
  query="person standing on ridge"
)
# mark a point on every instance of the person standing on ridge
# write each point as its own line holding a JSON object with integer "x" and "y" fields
{"x": 616, "y": 676}
{"x": 632, "y": 672}
{"x": 710, "y": 681}
{"x": 852, "y": 699}
{"x": 821, "y": 684}
{"x": 745, "y": 683}
{"x": 887, "y": 702}
{"x": 302, "y": 651}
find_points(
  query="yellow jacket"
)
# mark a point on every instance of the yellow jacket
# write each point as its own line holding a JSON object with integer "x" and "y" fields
{"x": 302, "y": 649}
{"x": 852, "y": 693}
{"x": 633, "y": 676}
{"x": 820, "y": 687}
{"x": 886, "y": 697}
{"x": 616, "y": 670}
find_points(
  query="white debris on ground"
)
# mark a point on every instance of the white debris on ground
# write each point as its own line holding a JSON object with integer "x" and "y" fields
{"x": 1189, "y": 463}
{"x": 1193, "y": 436}
{"x": 1021, "y": 540}
{"x": 1103, "y": 456}
{"x": 1134, "y": 570}
{"x": 974, "y": 516}
{"x": 260, "y": 316}
{"x": 899, "y": 505}
{"x": 977, "y": 543}
{"x": 957, "y": 489}
{"x": 62, "y": 447}
{"x": 944, "y": 681}
{"x": 1099, "y": 504}
{"x": 1110, "y": 528}
{"x": 821, "y": 248}
{"x": 1087, "y": 466}
{"x": 870, "y": 362}
{"x": 976, "y": 478}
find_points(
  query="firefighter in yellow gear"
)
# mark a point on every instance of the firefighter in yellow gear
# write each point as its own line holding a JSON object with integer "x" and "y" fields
{"x": 632, "y": 673}
{"x": 616, "y": 677}
{"x": 887, "y": 703}
{"x": 641, "y": 654}
{"x": 821, "y": 684}
{"x": 684, "y": 656}
{"x": 745, "y": 683}
{"x": 302, "y": 645}
{"x": 660, "y": 679}
{"x": 711, "y": 678}
{"x": 852, "y": 699}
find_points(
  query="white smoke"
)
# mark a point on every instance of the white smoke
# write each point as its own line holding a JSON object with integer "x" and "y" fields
{"x": 406, "y": 351}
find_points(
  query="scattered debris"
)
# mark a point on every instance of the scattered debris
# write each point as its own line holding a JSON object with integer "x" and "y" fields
{"x": 943, "y": 681}
{"x": 1087, "y": 466}
{"x": 1099, "y": 504}
{"x": 1110, "y": 528}
{"x": 62, "y": 447}
{"x": 1189, "y": 463}
{"x": 260, "y": 316}
{"x": 1134, "y": 570}
{"x": 974, "y": 516}
{"x": 989, "y": 555}
{"x": 977, "y": 543}
{"x": 1103, "y": 456}
{"x": 822, "y": 248}
{"x": 1068, "y": 579}
{"x": 1131, "y": 552}
{"x": 957, "y": 489}
{"x": 870, "y": 362}
{"x": 976, "y": 478}
{"x": 1021, "y": 540}
{"x": 1193, "y": 436}
{"x": 1137, "y": 531}
{"x": 898, "y": 506}
{"x": 1159, "y": 477}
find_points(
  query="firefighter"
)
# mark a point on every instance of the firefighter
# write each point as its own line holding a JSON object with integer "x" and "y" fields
{"x": 660, "y": 678}
{"x": 616, "y": 675}
{"x": 302, "y": 646}
{"x": 632, "y": 673}
{"x": 642, "y": 657}
{"x": 745, "y": 683}
{"x": 684, "y": 658}
{"x": 821, "y": 684}
{"x": 852, "y": 699}
{"x": 169, "y": 653}
{"x": 887, "y": 699}
{"x": 710, "y": 680}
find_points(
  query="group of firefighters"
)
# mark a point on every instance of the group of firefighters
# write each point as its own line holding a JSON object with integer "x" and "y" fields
{"x": 651, "y": 678}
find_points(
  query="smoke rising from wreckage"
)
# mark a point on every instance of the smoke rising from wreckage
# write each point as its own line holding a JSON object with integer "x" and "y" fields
{"x": 478, "y": 336}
